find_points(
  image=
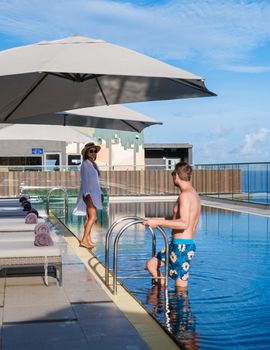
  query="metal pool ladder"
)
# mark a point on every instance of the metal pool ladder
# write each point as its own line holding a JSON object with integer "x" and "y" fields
{"x": 133, "y": 220}
{"x": 64, "y": 190}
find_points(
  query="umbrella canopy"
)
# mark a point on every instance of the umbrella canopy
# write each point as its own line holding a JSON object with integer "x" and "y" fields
{"x": 77, "y": 72}
{"x": 47, "y": 132}
{"x": 114, "y": 117}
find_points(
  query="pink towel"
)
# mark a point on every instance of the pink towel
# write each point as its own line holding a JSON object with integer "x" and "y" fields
{"x": 43, "y": 239}
{"x": 42, "y": 235}
{"x": 42, "y": 228}
{"x": 33, "y": 210}
{"x": 31, "y": 218}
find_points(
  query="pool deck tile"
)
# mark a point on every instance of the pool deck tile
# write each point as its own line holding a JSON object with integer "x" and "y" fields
{"x": 34, "y": 296}
{"x": 53, "y": 336}
{"x": 37, "y": 313}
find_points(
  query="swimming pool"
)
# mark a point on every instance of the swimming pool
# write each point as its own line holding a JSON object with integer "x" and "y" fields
{"x": 227, "y": 305}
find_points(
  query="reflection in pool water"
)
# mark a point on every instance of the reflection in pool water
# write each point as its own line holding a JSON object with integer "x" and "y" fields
{"x": 176, "y": 312}
{"x": 227, "y": 305}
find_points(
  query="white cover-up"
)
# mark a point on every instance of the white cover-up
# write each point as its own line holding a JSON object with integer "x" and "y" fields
{"x": 89, "y": 185}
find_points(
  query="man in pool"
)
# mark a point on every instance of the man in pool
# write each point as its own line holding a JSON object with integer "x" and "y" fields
{"x": 186, "y": 213}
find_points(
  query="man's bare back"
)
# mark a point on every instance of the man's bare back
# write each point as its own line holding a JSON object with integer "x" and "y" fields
{"x": 187, "y": 205}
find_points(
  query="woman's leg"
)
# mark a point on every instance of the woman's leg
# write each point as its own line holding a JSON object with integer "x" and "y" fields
{"x": 86, "y": 220}
{"x": 90, "y": 219}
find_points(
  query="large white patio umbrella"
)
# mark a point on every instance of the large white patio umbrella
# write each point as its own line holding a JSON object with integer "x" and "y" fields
{"x": 77, "y": 72}
{"x": 47, "y": 133}
{"x": 114, "y": 117}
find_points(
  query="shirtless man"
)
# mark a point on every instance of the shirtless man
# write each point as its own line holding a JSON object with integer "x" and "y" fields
{"x": 186, "y": 213}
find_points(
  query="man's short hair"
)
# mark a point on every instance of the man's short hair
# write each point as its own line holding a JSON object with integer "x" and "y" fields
{"x": 184, "y": 171}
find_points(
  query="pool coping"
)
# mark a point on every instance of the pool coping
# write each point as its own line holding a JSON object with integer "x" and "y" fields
{"x": 212, "y": 202}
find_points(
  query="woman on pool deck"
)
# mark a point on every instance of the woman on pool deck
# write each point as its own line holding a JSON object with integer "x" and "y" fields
{"x": 186, "y": 215}
{"x": 90, "y": 195}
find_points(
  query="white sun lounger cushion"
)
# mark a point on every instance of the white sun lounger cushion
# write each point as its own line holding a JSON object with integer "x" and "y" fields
{"x": 16, "y": 237}
{"x": 10, "y": 203}
{"x": 26, "y": 249}
{"x": 17, "y": 220}
{"x": 16, "y": 226}
{"x": 26, "y": 236}
{"x": 8, "y": 211}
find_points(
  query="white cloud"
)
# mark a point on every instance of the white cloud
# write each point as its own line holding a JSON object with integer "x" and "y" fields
{"x": 209, "y": 29}
{"x": 252, "y": 139}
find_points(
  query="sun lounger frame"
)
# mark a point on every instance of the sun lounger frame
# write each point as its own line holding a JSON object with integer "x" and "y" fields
{"x": 35, "y": 261}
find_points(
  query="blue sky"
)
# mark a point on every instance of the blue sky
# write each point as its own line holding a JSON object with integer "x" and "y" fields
{"x": 226, "y": 42}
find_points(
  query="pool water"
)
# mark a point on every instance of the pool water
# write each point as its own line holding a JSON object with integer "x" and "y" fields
{"x": 227, "y": 305}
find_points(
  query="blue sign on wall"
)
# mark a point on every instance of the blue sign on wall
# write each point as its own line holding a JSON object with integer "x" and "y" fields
{"x": 37, "y": 150}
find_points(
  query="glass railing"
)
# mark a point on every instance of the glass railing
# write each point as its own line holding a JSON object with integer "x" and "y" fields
{"x": 249, "y": 182}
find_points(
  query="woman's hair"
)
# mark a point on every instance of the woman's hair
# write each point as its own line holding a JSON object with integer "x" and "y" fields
{"x": 85, "y": 154}
{"x": 184, "y": 171}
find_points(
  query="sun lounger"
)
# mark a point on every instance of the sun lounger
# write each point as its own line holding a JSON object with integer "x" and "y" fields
{"x": 16, "y": 226}
{"x": 10, "y": 202}
{"x": 8, "y": 236}
{"x": 12, "y": 225}
{"x": 27, "y": 236}
{"x": 25, "y": 254}
{"x": 9, "y": 199}
{"x": 12, "y": 211}
{"x": 17, "y": 219}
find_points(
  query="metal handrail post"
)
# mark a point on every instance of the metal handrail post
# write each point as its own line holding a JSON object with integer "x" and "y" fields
{"x": 154, "y": 241}
{"x": 66, "y": 204}
{"x": 107, "y": 243}
{"x": 115, "y": 257}
{"x": 64, "y": 190}
{"x": 166, "y": 256}
{"x": 115, "y": 252}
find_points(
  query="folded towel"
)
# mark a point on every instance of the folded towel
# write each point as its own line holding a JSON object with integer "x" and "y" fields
{"x": 23, "y": 198}
{"x": 33, "y": 210}
{"x": 42, "y": 228}
{"x": 27, "y": 206}
{"x": 43, "y": 239}
{"x": 31, "y": 218}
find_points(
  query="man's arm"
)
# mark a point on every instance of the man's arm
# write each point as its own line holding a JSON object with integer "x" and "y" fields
{"x": 176, "y": 224}
{"x": 176, "y": 208}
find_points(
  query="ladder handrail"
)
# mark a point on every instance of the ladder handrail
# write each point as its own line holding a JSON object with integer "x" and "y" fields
{"x": 58, "y": 188}
{"x": 115, "y": 260}
{"x": 107, "y": 242}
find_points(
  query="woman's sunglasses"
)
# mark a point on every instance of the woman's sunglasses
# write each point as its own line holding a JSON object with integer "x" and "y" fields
{"x": 92, "y": 151}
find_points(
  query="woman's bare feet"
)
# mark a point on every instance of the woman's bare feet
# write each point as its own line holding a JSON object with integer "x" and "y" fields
{"x": 87, "y": 245}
